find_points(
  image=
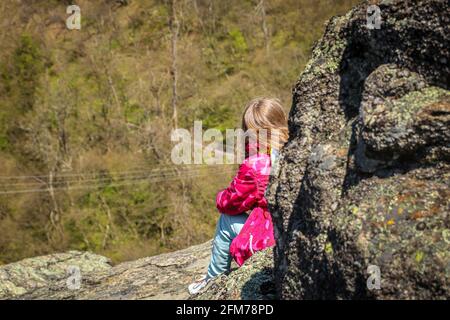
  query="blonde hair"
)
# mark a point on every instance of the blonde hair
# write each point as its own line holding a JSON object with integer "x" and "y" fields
{"x": 267, "y": 114}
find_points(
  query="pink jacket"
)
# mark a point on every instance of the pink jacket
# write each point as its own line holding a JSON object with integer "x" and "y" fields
{"x": 245, "y": 193}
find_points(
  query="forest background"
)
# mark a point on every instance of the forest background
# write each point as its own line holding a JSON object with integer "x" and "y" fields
{"x": 86, "y": 115}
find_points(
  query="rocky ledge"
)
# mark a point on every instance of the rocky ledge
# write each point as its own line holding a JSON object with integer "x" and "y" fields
{"x": 165, "y": 276}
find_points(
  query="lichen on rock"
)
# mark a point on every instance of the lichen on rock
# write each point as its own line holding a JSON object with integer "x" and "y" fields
{"x": 28, "y": 275}
{"x": 364, "y": 177}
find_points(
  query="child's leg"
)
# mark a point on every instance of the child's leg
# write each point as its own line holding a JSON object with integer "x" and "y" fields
{"x": 227, "y": 229}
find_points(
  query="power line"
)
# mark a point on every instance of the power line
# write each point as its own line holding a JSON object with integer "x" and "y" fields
{"x": 129, "y": 182}
{"x": 138, "y": 169}
{"x": 142, "y": 180}
{"x": 126, "y": 177}
{"x": 167, "y": 171}
{"x": 75, "y": 174}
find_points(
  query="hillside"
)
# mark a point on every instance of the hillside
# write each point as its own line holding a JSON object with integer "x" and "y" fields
{"x": 86, "y": 115}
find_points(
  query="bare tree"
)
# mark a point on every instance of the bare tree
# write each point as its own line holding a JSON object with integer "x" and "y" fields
{"x": 261, "y": 8}
{"x": 174, "y": 31}
{"x": 212, "y": 15}
{"x": 199, "y": 16}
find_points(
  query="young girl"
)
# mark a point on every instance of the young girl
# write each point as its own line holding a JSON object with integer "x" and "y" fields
{"x": 239, "y": 234}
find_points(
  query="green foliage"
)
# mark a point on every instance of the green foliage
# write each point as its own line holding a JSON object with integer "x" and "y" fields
{"x": 3, "y": 136}
{"x": 220, "y": 117}
{"x": 27, "y": 66}
{"x": 3, "y": 142}
{"x": 239, "y": 44}
{"x": 135, "y": 113}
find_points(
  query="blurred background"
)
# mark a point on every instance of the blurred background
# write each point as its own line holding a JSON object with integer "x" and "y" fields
{"x": 86, "y": 115}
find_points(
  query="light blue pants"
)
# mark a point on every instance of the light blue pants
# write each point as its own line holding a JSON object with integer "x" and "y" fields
{"x": 228, "y": 227}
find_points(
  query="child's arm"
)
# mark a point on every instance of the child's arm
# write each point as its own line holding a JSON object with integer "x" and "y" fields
{"x": 243, "y": 193}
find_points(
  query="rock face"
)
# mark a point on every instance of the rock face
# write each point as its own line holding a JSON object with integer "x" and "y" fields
{"x": 364, "y": 179}
{"x": 164, "y": 276}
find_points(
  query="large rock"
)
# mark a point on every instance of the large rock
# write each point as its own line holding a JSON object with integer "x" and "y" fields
{"x": 364, "y": 178}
